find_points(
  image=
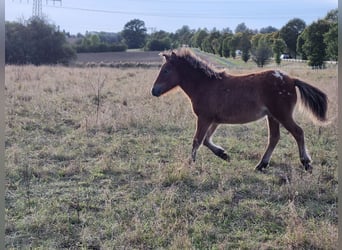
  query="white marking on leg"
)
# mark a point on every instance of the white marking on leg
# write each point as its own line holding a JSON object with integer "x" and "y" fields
{"x": 305, "y": 155}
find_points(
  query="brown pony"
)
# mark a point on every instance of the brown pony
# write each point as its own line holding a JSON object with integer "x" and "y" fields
{"x": 218, "y": 97}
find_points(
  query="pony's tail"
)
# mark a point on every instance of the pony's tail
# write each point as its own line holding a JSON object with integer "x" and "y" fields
{"x": 313, "y": 99}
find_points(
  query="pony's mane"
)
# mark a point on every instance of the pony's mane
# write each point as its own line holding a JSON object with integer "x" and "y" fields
{"x": 197, "y": 63}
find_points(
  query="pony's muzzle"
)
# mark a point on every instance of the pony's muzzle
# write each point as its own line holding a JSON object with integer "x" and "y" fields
{"x": 156, "y": 91}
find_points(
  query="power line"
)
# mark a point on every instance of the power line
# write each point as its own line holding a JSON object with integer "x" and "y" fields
{"x": 211, "y": 1}
{"x": 173, "y": 14}
{"x": 186, "y": 13}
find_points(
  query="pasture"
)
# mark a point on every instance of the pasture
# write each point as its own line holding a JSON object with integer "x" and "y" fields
{"x": 93, "y": 161}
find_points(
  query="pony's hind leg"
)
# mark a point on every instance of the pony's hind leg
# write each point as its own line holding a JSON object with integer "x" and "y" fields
{"x": 217, "y": 150}
{"x": 298, "y": 133}
{"x": 273, "y": 138}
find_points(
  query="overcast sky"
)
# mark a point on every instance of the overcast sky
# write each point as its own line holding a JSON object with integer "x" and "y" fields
{"x": 99, "y": 15}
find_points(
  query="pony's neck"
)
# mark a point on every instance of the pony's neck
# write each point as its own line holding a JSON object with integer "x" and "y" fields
{"x": 192, "y": 81}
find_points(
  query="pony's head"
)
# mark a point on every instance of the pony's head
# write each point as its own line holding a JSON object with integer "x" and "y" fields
{"x": 178, "y": 67}
{"x": 168, "y": 77}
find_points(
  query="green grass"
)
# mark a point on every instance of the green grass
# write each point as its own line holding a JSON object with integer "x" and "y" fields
{"x": 105, "y": 166}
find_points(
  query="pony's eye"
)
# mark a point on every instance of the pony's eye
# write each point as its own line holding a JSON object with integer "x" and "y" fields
{"x": 165, "y": 71}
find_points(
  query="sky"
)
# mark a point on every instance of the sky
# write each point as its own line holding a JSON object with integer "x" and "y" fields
{"x": 76, "y": 16}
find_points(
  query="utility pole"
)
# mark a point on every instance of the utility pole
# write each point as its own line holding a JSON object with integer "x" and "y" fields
{"x": 37, "y": 8}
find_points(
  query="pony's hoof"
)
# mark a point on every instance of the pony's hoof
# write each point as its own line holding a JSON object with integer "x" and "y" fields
{"x": 192, "y": 161}
{"x": 308, "y": 167}
{"x": 224, "y": 156}
{"x": 261, "y": 166}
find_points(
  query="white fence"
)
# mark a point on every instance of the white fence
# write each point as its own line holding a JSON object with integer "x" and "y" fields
{"x": 305, "y": 61}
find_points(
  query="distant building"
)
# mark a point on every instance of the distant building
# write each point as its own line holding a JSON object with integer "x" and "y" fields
{"x": 238, "y": 52}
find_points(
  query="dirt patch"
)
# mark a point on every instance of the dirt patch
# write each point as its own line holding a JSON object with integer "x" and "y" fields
{"x": 119, "y": 57}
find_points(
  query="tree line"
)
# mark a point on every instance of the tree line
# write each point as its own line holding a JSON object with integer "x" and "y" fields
{"x": 38, "y": 42}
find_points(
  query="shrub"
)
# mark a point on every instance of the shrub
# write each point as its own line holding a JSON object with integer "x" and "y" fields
{"x": 159, "y": 44}
{"x": 262, "y": 54}
{"x": 36, "y": 42}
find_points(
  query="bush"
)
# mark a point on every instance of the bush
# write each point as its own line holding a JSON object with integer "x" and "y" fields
{"x": 262, "y": 54}
{"x": 159, "y": 44}
{"x": 118, "y": 47}
{"x": 36, "y": 42}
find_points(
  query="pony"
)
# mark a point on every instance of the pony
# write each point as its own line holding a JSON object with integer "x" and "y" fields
{"x": 221, "y": 98}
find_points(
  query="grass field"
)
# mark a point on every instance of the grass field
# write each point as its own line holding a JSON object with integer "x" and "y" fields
{"x": 93, "y": 161}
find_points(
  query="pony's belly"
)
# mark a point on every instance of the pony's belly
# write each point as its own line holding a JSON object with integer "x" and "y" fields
{"x": 241, "y": 116}
{"x": 240, "y": 120}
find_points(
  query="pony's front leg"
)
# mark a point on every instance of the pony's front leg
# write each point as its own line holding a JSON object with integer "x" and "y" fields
{"x": 217, "y": 150}
{"x": 273, "y": 138}
{"x": 202, "y": 128}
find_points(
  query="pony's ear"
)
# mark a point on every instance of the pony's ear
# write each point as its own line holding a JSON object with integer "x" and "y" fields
{"x": 173, "y": 55}
{"x": 165, "y": 55}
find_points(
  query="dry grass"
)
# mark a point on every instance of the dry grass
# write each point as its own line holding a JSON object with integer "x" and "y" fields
{"x": 94, "y": 161}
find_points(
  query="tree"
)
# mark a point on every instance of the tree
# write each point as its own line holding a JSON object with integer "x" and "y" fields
{"x": 234, "y": 43}
{"x": 161, "y": 34}
{"x": 100, "y": 42}
{"x": 215, "y": 41}
{"x": 332, "y": 16}
{"x": 184, "y": 35}
{"x": 95, "y": 40}
{"x": 216, "y": 45}
{"x": 109, "y": 37}
{"x": 241, "y": 28}
{"x": 314, "y": 46}
{"x": 262, "y": 53}
{"x": 86, "y": 42}
{"x": 134, "y": 33}
{"x": 225, "y": 45}
{"x": 331, "y": 42}
{"x": 198, "y": 38}
{"x": 290, "y": 33}
{"x": 16, "y": 49}
{"x": 331, "y": 37}
{"x": 36, "y": 42}
{"x": 268, "y": 29}
{"x": 226, "y": 31}
{"x": 206, "y": 45}
{"x": 300, "y": 43}
{"x": 279, "y": 46}
{"x": 245, "y": 46}
{"x": 159, "y": 41}
{"x": 159, "y": 44}
{"x": 212, "y": 43}
{"x": 255, "y": 40}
